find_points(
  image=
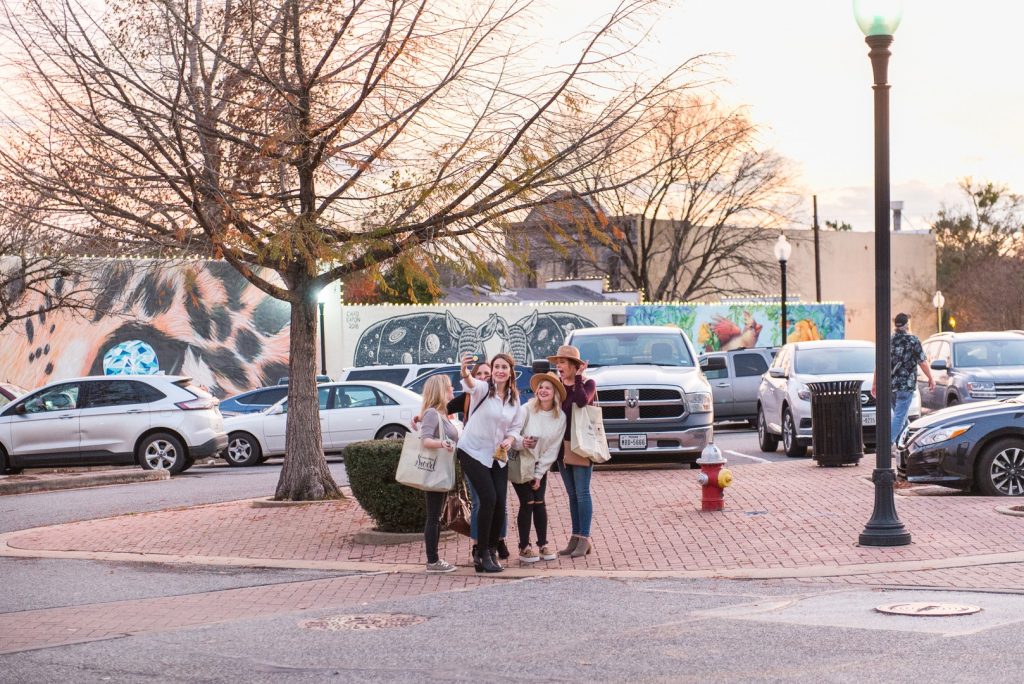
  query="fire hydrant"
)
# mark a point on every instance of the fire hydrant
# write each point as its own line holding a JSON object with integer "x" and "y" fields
{"x": 713, "y": 478}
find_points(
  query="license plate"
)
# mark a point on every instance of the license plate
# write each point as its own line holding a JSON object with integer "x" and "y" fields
{"x": 632, "y": 441}
{"x": 867, "y": 419}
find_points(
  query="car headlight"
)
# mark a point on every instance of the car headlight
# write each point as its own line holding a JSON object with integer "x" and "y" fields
{"x": 803, "y": 392}
{"x": 699, "y": 402}
{"x": 982, "y": 390}
{"x": 943, "y": 434}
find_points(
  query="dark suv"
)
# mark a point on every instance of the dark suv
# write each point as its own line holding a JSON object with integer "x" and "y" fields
{"x": 974, "y": 366}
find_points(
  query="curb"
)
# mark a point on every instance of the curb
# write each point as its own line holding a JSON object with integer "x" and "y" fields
{"x": 378, "y": 538}
{"x": 27, "y": 484}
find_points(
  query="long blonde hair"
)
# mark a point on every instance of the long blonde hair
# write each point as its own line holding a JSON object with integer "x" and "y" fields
{"x": 534, "y": 403}
{"x": 435, "y": 394}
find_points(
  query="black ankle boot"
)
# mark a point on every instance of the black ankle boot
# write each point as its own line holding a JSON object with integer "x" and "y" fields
{"x": 493, "y": 552}
{"x": 488, "y": 561}
{"x": 503, "y": 548}
{"x": 478, "y": 563}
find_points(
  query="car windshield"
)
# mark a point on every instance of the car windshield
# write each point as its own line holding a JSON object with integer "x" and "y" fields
{"x": 630, "y": 348}
{"x": 984, "y": 353}
{"x": 835, "y": 360}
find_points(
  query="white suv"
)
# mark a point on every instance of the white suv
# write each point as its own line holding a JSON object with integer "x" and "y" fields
{"x": 155, "y": 421}
{"x": 784, "y": 400}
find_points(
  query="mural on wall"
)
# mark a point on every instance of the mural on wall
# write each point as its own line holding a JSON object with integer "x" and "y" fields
{"x": 436, "y": 337}
{"x": 721, "y": 327}
{"x": 200, "y": 319}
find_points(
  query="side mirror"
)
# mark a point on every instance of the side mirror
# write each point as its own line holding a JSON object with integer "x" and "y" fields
{"x": 277, "y": 410}
{"x": 713, "y": 363}
{"x": 939, "y": 364}
{"x": 541, "y": 366}
{"x": 777, "y": 372}
{"x": 20, "y": 409}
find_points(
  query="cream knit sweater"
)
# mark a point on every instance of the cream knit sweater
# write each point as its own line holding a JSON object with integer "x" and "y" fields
{"x": 549, "y": 429}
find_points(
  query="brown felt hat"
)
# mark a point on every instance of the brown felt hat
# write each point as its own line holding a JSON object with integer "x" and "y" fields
{"x": 553, "y": 379}
{"x": 566, "y": 351}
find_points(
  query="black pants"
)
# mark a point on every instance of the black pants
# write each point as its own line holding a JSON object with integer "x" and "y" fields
{"x": 531, "y": 508}
{"x": 491, "y": 485}
{"x": 432, "y": 527}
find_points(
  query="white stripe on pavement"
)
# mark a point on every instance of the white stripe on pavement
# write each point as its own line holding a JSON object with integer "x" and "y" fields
{"x": 758, "y": 459}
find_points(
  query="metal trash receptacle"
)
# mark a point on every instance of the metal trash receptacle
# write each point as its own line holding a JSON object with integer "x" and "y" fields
{"x": 836, "y": 422}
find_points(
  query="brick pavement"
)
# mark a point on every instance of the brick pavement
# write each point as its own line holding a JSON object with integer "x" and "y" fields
{"x": 790, "y": 517}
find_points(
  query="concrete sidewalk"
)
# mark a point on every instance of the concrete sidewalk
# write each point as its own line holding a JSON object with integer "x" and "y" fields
{"x": 785, "y": 520}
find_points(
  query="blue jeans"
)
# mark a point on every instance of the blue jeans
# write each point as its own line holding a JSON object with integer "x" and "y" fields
{"x": 900, "y": 408}
{"x": 474, "y": 511}
{"x": 581, "y": 507}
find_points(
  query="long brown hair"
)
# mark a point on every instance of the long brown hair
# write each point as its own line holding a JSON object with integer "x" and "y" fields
{"x": 511, "y": 388}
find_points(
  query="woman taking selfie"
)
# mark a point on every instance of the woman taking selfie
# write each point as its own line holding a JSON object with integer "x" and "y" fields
{"x": 543, "y": 433}
{"x": 436, "y": 432}
{"x": 492, "y": 428}
{"x": 575, "y": 470}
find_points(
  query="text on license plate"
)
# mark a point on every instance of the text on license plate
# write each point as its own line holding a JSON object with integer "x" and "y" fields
{"x": 632, "y": 441}
{"x": 867, "y": 419}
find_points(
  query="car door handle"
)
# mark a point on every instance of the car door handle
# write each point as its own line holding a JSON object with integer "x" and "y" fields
{"x": 134, "y": 411}
{"x": 67, "y": 416}
{"x": 376, "y": 413}
{"x": 722, "y": 384}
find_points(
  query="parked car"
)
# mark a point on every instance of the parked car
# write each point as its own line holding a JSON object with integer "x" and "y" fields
{"x": 9, "y": 392}
{"x": 977, "y": 446}
{"x": 734, "y": 386}
{"x": 253, "y": 401}
{"x": 155, "y": 421}
{"x": 975, "y": 366}
{"x": 523, "y": 376}
{"x": 349, "y": 412}
{"x": 784, "y": 400}
{"x": 319, "y": 379}
{"x": 400, "y": 375}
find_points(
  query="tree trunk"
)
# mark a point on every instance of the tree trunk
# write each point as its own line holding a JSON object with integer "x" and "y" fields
{"x": 304, "y": 475}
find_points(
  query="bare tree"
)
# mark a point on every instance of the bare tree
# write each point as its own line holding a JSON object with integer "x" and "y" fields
{"x": 314, "y": 138}
{"x": 704, "y": 200}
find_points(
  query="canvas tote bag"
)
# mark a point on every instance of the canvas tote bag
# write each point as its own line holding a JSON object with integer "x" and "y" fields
{"x": 521, "y": 464}
{"x": 588, "y": 438}
{"x": 431, "y": 470}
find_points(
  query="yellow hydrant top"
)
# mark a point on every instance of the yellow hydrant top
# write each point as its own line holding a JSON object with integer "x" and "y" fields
{"x": 724, "y": 478}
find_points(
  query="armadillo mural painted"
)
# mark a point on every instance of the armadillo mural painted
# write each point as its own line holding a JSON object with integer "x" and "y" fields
{"x": 200, "y": 319}
{"x": 442, "y": 336}
{"x": 714, "y": 327}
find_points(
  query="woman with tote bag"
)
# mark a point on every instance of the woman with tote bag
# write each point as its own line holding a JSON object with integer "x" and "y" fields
{"x": 436, "y": 432}
{"x": 494, "y": 425}
{"x": 576, "y": 470}
{"x": 543, "y": 433}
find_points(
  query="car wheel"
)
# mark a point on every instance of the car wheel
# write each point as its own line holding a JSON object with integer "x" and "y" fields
{"x": 189, "y": 462}
{"x": 952, "y": 401}
{"x": 162, "y": 452}
{"x": 766, "y": 440}
{"x": 243, "y": 450}
{"x": 794, "y": 449}
{"x": 391, "y": 432}
{"x": 5, "y": 467}
{"x": 1000, "y": 471}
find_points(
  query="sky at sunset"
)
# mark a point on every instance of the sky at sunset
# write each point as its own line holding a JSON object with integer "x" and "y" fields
{"x": 801, "y": 66}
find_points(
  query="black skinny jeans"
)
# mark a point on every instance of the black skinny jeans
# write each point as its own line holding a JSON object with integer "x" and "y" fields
{"x": 531, "y": 507}
{"x": 432, "y": 527}
{"x": 491, "y": 485}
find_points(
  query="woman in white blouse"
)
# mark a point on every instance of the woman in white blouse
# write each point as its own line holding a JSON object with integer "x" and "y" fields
{"x": 543, "y": 432}
{"x": 483, "y": 450}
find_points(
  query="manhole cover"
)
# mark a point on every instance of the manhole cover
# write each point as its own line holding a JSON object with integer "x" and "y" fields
{"x": 338, "y": 623}
{"x": 928, "y": 609}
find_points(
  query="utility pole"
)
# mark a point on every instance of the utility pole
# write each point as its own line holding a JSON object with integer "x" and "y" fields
{"x": 817, "y": 255}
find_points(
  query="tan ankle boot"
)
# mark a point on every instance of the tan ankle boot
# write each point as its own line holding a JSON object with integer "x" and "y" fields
{"x": 583, "y": 547}
{"x": 570, "y": 547}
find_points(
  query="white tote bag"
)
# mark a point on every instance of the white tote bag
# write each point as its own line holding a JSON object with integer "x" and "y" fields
{"x": 588, "y": 438}
{"x": 432, "y": 470}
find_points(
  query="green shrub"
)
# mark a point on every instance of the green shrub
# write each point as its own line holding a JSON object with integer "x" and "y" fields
{"x": 371, "y": 470}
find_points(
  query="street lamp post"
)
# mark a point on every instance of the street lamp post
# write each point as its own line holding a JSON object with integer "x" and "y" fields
{"x": 938, "y": 301}
{"x": 321, "y": 300}
{"x": 878, "y": 20}
{"x": 782, "y": 251}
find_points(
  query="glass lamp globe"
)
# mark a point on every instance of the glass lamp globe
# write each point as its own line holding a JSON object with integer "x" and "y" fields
{"x": 782, "y": 249}
{"x": 878, "y": 17}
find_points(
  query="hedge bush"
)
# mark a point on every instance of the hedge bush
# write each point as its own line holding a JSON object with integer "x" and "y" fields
{"x": 371, "y": 469}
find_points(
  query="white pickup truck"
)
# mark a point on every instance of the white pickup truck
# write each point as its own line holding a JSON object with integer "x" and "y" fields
{"x": 656, "y": 401}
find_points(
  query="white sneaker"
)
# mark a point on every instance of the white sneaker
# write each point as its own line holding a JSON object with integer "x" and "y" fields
{"x": 548, "y": 553}
{"x": 441, "y": 566}
{"x": 528, "y": 555}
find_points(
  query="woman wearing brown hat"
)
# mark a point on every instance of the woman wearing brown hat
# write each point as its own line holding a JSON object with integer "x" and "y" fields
{"x": 543, "y": 432}
{"x": 575, "y": 470}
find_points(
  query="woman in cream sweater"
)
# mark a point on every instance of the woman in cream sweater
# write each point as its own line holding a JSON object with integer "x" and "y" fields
{"x": 543, "y": 431}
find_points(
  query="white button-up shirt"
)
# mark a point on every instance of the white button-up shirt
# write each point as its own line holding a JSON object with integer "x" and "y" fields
{"x": 490, "y": 421}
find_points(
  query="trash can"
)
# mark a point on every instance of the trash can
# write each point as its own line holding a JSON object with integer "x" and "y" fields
{"x": 835, "y": 422}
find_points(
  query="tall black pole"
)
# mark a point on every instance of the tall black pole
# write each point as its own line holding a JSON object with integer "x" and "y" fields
{"x": 817, "y": 255}
{"x": 323, "y": 341}
{"x": 884, "y": 528}
{"x": 782, "y": 322}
